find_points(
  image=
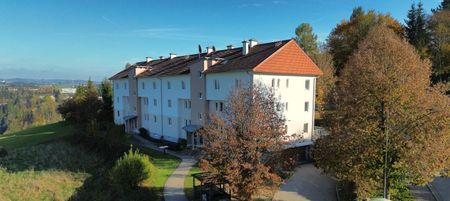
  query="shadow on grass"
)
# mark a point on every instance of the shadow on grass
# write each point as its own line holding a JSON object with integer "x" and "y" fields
{"x": 88, "y": 168}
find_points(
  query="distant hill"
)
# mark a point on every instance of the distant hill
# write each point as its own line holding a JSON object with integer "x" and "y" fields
{"x": 37, "y": 82}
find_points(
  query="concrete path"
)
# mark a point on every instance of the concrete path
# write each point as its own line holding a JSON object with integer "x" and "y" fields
{"x": 421, "y": 193}
{"x": 307, "y": 183}
{"x": 174, "y": 187}
{"x": 440, "y": 186}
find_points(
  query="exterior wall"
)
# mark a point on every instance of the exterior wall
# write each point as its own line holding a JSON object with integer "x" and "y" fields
{"x": 197, "y": 86}
{"x": 120, "y": 94}
{"x": 172, "y": 130}
{"x": 220, "y": 85}
{"x": 157, "y": 89}
{"x": 295, "y": 95}
{"x": 215, "y": 88}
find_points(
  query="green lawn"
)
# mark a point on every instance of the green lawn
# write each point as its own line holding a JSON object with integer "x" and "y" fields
{"x": 36, "y": 135}
{"x": 188, "y": 185}
{"x": 42, "y": 165}
{"x": 165, "y": 164}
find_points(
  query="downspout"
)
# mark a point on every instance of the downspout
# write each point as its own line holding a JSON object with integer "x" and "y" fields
{"x": 161, "y": 105}
{"x": 313, "y": 111}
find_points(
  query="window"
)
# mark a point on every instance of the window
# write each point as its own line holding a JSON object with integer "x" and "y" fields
{"x": 154, "y": 118}
{"x": 185, "y": 104}
{"x": 145, "y": 100}
{"x": 217, "y": 106}
{"x": 200, "y": 95}
{"x": 278, "y": 83}
{"x": 169, "y": 103}
{"x": 200, "y": 74}
{"x": 278, "y": 106}
{"x": 273, "y": 82}
{"x": 189, "y": 104}
{"x": 118, "y": 113}
{"x": 183, "y": 85}
{"x": 185, "y": 122}
{"x": 221, "y": 106}
{"x": 216, "y": 85}
{"x": 307, "y": 84}
{"x": 168, "y": 85}
{"x": 169, "y": 121}
{"x": 287, "y": 106}
{"x": 306, "y": 106}
{"x": 117, "y": 85}
{"x": 237, "y": 83}
{"x": 155, "y": 102}
{"x": 200, "y": 116}
{"x": 305, "y": 127}
{"x": 154, "y": 85}
{"x": 125, "y": 85}
{"x": 287, "y": 83}
{"x": 143, "y": 85}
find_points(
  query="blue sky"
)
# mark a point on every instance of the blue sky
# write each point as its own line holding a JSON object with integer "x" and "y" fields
{"x": 85, "y": 38}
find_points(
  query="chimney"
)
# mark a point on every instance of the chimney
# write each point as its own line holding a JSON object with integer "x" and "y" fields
{"x": 161, "y": 57}
{"x": 245, "y": 47}
{"x": 148, "y": 59}
{"x": 253, "y": 42}
{"x": 209, "y": 50}
{"x": 229, "y": 47}
{"x": 172, "y": 55}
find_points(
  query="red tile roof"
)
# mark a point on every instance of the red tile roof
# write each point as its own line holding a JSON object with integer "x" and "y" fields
{"x": 289, "y": 59}
{"x": 282, "y": 57}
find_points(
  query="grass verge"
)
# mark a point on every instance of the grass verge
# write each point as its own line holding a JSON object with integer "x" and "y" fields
{"x": 53, "y": 168}
{"x": 36, "y": 135}
{"x": 188, "y": 185}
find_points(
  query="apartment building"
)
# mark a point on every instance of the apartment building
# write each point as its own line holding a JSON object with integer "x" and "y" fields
{"x": 171, "y": 97}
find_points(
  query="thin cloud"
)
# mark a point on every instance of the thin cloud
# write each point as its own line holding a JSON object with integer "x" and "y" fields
{"x": 250, "y": 5}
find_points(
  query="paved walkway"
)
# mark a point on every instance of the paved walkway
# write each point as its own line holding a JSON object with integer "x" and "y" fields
{"x": 174, "y": 187}
{"x": 421, "y": 193}
{"x": 441, "y": 188}
{"x": 307, "y": 183}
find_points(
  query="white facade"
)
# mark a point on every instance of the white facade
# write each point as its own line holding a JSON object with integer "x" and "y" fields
{"x": 166, "y": 101}
{"x": 172, "y": 97}
{"x": 121, "y": 94}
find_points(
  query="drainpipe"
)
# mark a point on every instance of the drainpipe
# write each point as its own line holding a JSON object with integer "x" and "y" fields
{"x": 161, "y": 105}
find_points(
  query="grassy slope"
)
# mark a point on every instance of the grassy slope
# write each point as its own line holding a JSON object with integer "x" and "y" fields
{"x": 58, "y": 170}
{"x": 36, "y": 135}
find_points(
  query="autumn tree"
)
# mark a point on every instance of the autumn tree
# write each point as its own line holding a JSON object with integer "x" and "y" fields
{"x": 344, "y": 38}
{"x": 325, "y": 83}
{"x": 238, "y": 143}
{"x": 387, "y": 120}
{"x": 306, "y": 38}
{"x": 440, "y": 42}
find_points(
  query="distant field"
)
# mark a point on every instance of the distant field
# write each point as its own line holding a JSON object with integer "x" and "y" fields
{"x": 42, "y": 165}
{"x": 36, "y": 135}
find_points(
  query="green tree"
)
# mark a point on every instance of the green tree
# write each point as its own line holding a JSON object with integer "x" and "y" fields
{"x": 107, "y": 111}
{"x": 344, "y": 38}
{"x": 440, "y": 43}
{"x": 417, "y": 29}
{"x": 306, "y": 39}
{"x": 445, "y": 5}
{"x": 387, "y": 120}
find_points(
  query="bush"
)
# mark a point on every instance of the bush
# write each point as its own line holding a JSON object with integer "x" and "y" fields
{"x": 3, "y": 152}
{"x": 132, "y": 169}
{"x": 144, "y": 133}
